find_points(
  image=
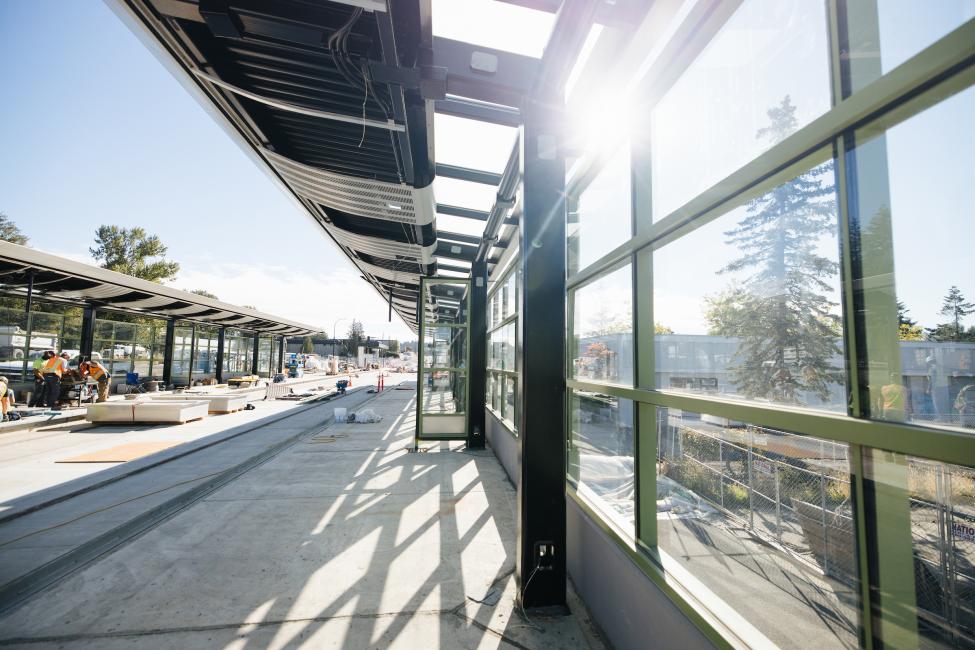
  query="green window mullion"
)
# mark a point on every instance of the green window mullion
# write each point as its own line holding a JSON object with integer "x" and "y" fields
{"x": 645, "y": 418}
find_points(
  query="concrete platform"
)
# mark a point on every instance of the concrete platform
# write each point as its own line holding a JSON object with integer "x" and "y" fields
{"x": 342, "y": 540}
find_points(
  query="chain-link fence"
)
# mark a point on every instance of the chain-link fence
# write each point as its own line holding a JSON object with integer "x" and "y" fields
{"x": 785, "y": 489}
{"x": 794, "y": 491}
{"x": 943, "y": 531}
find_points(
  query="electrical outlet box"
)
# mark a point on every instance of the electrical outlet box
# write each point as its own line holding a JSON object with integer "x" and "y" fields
{"x": 544, "y": 556}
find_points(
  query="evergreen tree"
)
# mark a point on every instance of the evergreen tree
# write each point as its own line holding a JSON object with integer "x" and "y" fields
{"x": 902, "y": 317}
{"x": 204, "y": 293}
{"x": 956, "y": 308}
{"x": 781, "y": 313}
{"x": 307, "y": 345}
{"x": 355, "y": 337}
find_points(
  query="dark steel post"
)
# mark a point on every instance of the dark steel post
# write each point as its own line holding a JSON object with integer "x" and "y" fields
{"x": 540, "y": 563}
{"x": 477, "y": 373}
{"x": 168, "y": 351}
{"x": 30, "y": 291}
{"x": 221, "y": 337}
{"x": 281, "y": 350}
{"x": 87, "y": 344}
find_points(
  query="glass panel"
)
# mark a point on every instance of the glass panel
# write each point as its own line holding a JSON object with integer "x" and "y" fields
{"x": 601, "y": 452}
{"x": 444, "y": 392}
{"x": 465, "y": 194}
{"x": 513, "y": 282}
{"x": 13, "y": 341}
{"x": 455, "y": 136}
{"x": 508, "y": 346}
{"x": 493, "y": 24}
{"x": 748, "y": 305}
{"x": 600, "y": 219}
{"x": 764, "y": 520}
{"x": 489, "y": 390}
{"x": 906, "y": 27}
{"x": 182, "y": 350}
{"x": 158, "y": 351}
{"x": 918, "y": 287}
{"x": 509, "y": 401}
{"x": 603, "y": 329}
{"x": 496, "y": 392}
{"x": 936, "y": 502}
{"x": 763, "y": 76}
{"x": 445, "y": 347}
{"x": 445, "y": 303}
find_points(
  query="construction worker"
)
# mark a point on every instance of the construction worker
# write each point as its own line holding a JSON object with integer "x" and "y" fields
{"x": 53, "y": 369}
{"x": 99, "y": 373}
{"x": 6, "y": 397}
{"x": 37, "y": 398}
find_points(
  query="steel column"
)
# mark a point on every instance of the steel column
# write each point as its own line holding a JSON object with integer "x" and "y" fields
{"x": 281, "y": 347}
{"x": 477, "y": 373}
{"x": 87, "y": 343}
{"x": 168, "y": 351}
{"x": 221, "y": 337}
{"x": 540, "y": 561}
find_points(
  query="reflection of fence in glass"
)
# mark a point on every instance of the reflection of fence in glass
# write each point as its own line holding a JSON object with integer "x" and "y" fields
{"x": 943, "y": 531}
{"x": 783, "y": 488}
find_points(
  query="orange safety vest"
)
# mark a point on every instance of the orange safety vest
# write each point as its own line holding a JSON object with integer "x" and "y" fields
{"x": 97, "y": 370}
{"x": 54, "y": 365}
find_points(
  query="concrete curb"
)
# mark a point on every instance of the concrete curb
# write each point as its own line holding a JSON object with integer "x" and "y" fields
{"x": 57, "y": 494}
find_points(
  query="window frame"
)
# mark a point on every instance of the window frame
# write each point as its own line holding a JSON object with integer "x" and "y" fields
{"x": 930, "y": 76}
{"x": 500, "y": 376}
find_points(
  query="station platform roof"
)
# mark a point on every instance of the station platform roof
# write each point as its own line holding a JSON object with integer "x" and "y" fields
{"x": 337, "y": 102}
{"x": 63, "y": 279}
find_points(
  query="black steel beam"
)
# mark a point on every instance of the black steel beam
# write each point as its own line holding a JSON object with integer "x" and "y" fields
{"x": 168, "y": 345}
{"x": 281, "y": 348}
{"x": 477, "y": 375}
{"x": 87, "y": 343}
{"x": 483, "y": 73}
{"x": 467, "y": 174}
{"x": 457, "y": 211}
{"x": 456, "y": 251}
{"x": 456, "y": 236}
{"x": 221, "y": 340}
{"x": 450, "y": 267}
{"x": 480, "y": 111}
{"x": 540, "y": 562}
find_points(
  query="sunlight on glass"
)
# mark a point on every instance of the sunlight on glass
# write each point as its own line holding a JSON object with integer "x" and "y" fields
{"x": 600, "y": 124}
{"x": 473, "y": 144}
{"x": 451, "y": 191}
{"x": 493, "y": 24}
{"x": 450, "y": 223}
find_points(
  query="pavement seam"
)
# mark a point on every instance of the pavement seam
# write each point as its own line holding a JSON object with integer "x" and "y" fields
{"x": 218, "y": 626}
{"x": 114, "y": 479}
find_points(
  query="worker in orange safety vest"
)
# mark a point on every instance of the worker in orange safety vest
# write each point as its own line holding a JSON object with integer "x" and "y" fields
{"x": 53, "y": 369}
{"x": 99, "y": 373}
